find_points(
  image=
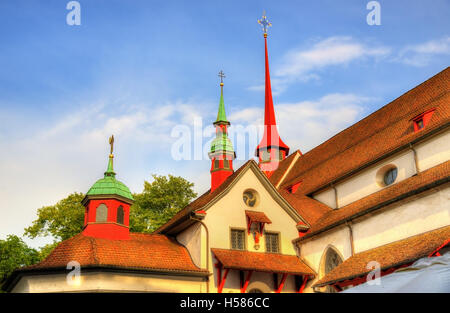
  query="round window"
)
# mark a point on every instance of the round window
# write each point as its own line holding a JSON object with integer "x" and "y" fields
{"x": 390, "y": 176}
{"x": 250, "y": 197}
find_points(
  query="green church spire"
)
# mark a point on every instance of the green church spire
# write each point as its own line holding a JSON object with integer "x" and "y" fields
{"x": 221, "y": 143}
{"x": 110, "y": 169}
{"x": 221, "y": 116}
{"x": 108, "y": 185}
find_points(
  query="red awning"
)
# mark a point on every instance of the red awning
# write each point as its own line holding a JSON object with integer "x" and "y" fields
{"x": 258, "y": 217}
{"x": 262, "y": 262}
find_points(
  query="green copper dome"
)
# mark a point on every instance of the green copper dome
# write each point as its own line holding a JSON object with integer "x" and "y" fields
{"x": 109, "y": 185}
{"x": 222, "y": 143}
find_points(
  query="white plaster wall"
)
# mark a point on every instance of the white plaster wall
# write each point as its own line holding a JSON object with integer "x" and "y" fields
{"x": 191, "y": 239}
{"x": 110, "y": 282}
{"x": 418, "y": 215}
{"x": 327, "y": 197}
{"x": 229, "y": 212}
{"x": 365, "y": 183}
{"x": 312, "y": 250}
{"x": 433, "y": 151}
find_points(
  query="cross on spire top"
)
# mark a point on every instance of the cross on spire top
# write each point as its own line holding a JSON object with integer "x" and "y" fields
{"x": 264, "y": 22}
{"x": 222, "y": 76}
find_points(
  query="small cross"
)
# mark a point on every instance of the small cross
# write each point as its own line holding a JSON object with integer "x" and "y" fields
{"x": 264, "y": 22}
{"x": 222, "y": 76}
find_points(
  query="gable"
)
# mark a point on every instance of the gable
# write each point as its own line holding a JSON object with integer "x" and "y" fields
{"x": 203, "y": 203}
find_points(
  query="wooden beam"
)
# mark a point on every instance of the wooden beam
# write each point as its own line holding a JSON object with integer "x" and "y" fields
{"x": 247, "y": 281}
{"x": 281, "y": 285}
{"x": 222, "y": 280}
{"x": 302, "y": 287}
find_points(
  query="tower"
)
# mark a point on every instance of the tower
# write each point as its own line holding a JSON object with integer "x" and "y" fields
{"x": 271, "y": 150}
{"x": 222, "y": 153}
{"x": 107, "y": 204}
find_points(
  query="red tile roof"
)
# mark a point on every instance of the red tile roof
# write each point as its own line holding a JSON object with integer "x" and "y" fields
{"x": 141, "y": 252}
{"x": 310, "y": 209}
{"x": 262, "y": 262}
{"x": 378, "y": 134}
{"x": 425, "y": 180}
{"x": 384, "y": 132}
{"x": 391, "y": 255}
{"x": 255, "y": 216}
{"x": 282, "y": 168}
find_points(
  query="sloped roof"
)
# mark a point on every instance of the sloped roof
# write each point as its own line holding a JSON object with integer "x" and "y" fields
{"x": 310, "y": 209}
{"x": 262, "y": 262}
{"x": 380, "y": 133}
{"x": 208, "y": 198}
{"x": 425, "y": 180}
{"x": 283, "y": 167}
{"x": 141, "y": 252}
{"x": 200, "y": 201}
{"x": 391, "y": 255}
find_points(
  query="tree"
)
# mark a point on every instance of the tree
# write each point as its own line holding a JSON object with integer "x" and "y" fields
{"x": 160, "y": 201}
{"x": 15, "y": 253}
{"x": 62, "y": 221}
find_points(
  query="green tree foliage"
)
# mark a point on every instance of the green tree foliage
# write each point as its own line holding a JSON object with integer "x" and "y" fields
{"x": 62, "y": 220}
{"x": 160, "y": 201}
{"x": 15, "y": 253}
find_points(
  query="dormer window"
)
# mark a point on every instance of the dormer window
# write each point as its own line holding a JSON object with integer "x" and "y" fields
{"x": 419, "y": 124}
{"x": 421, "y": 120}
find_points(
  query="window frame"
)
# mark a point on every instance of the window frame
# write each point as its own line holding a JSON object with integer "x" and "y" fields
{"x": 244, "y": 232}
{"x": 271, "y": 233}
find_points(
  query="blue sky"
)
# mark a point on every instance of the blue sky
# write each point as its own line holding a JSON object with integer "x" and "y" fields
{"x": 139, "y": 68}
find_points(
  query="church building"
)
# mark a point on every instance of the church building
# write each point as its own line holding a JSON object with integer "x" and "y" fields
{"x": 377, "y": 193}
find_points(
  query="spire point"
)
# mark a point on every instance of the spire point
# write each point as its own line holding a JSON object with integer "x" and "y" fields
{"x": 110, "y": 169}
{"x": 264, "y": 22}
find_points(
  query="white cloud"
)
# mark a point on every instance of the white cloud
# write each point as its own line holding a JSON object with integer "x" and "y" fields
{"x": 70, "y": 154}
{"x": 303, "y": 125}
{"x": 301, "y": 63}
{"x": 305, "y": 64}
{"x": 423, "y": 53}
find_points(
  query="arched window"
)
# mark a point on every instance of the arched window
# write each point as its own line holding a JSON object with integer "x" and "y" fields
{"x": 101, "y": 213}
{"x": 120, "y": 215}
{"x": 332, "y": 260}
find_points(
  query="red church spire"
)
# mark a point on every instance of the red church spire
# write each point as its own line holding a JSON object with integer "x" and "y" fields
{"x": 271, "y": 150}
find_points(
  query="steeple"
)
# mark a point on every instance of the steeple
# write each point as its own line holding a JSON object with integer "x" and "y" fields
{"x": 107, "y": 205}
{"x": 271, "y": 150}
{"x": 222, "y": 153}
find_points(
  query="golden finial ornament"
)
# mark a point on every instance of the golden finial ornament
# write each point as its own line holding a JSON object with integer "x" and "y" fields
{"x": 111, "y": 143}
